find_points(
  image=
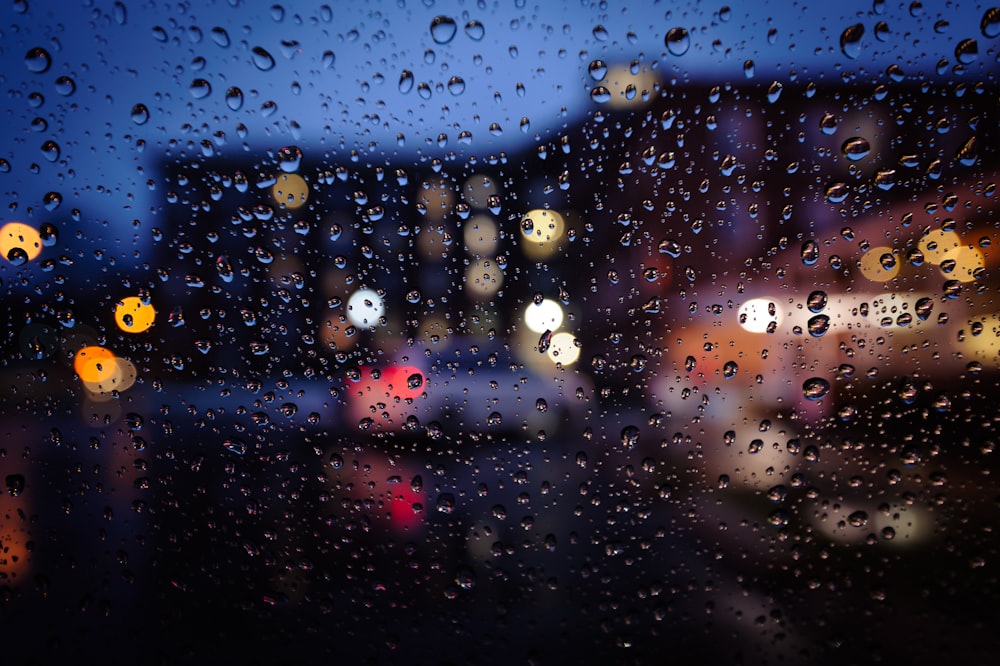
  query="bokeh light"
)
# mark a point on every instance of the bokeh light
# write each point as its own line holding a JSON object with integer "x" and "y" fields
{"x": 483, "y": 278}
{"x": 757, "y": 314}
{"x": 540, "y": 231}
{"x": 95, "y": 364}
{"x": 19, "y": 242}
{"x": 133, "y": 315}
{"x": 879, "y": 264}
{"x": 544, "y": 316}
{"x": 365, "y": 308}
{"x": 563, "y": 349}
{"x": 291, "y": 190}
{"x": 937, "y": 243}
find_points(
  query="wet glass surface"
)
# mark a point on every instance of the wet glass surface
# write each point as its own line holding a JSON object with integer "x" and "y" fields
{"x": 430, "y": 332}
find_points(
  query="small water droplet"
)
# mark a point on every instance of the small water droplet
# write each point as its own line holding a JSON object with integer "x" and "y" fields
{"x": 38, "y": 60}
{"x": 65, "y": 86}
{"x": 262, "y": 60}
{"x": 967, "y": 51}
{"x": 475, "y": 30}
{"x": 140, "y": 114}
{"x": 677, "y": 41}
{"x": 50, "y": 151}
{"x": 200, "y": 88}
{"x": 850, "y": 40}
{"x": 443, "y": 29}
{"x": 856, "y": 148}
{"x": 815, "y": 388}
{"x": 990, "y": 25}
{"x": 234, "y": 98}
{"x": 456, "y": 85}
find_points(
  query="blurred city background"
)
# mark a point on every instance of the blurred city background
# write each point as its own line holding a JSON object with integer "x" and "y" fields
{"x": 463, "y": 333}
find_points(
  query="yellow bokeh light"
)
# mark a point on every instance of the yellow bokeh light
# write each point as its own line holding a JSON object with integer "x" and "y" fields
{"x": 937, "y": 243}
{"x": 483, "y": 278}
{"x": 879, "y": 264}
{"x": 541, "y": 229}
{"x": 968, "y": 260}
{"x": 95, "y": 364}
{"x": 19, "y": 236}
{"x": 291, "y": 190}
{"x": 133, "y": 315}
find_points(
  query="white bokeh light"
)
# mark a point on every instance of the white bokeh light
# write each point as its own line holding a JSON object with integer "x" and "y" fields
{"x": 756, "y": 315}
{"x": 365, "y": 307}
{"x": 544, "y": 316}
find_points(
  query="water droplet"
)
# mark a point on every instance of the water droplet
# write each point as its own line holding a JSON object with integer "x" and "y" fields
{"x": 828, "y": 123}
{"x": 882, "y": 31}
{"x": 856, "y": 148}
{"x": 815, "y": 388}
{"x": 600, "y": 94}
{"x": 810, "y": 252}
{"x": 140, "y": 114}
{"x": 443, "y": 29}
{"x": 289, "y": 159}
{"x": 234, "y": 98}
{"x": 262, "y": 60}
{"x": 200, "y": 88}
{"x": 456, "y": 85}
{"x": 850, "y": 40}
{"x": 837, "y": 192}
{"x": 17, "y": 256}
{"x": 220, "y": 36}
{"x": 415, "y": 381}
{"x": 38, "y": 60}
{"x": 818, "y": 325}
{"x": 598, "y": 70}
{"x": 967, "y": 51}
{"x": 50, "y": 151}
{"x": 774, "y": 92}
{"x": 475, "y": 30}
{"x": 677, "y": 41}
{"x": 630, "y": 437}
{"x": 730, "y": 369}
{"x": 816, "y": 301}
{"x": 544, "y": 341}
{"x": 990, "y": 25}
{"x": 65, "y": 86}
{"x": 748, "y": 69}
{"x": 15, "y": 484}
{"x": 858, "y": 519}
{"x": 406, "y": 81}
{"x": 52, "y": 200}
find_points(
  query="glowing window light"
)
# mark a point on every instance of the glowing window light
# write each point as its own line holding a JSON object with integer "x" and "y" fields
{"x": 936, "y": 243}
{"x": 563, "y": 349}
{"x": 757, "y": 314}
{"x": 544, "y": 316}
{"x": 540, "y": 229}
{"x": 365, "y": 308}
{"x": 968, "y": 261}
{"x": 480, "y": 235}
{"x": 19, "y": 242}
{"x": 879, "y": 264}
{"x": 132, "y": 315}
{"x": 477, "y": 190}
{"x": 483, "y": 278}
{"x": 291, "y": 190}
{"x": 95, "y": 364}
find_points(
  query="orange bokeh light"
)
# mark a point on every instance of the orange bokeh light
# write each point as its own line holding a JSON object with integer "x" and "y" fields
{"x": 95, "y": 364}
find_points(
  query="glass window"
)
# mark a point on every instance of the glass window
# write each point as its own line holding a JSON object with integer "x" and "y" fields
{"x": 511, "y": 332}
